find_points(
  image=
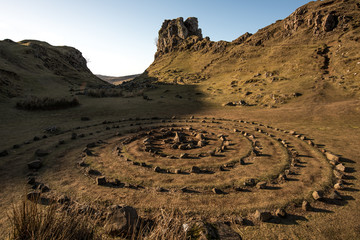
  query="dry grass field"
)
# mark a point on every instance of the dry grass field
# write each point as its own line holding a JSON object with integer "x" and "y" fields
{"x": 331, "y": 126}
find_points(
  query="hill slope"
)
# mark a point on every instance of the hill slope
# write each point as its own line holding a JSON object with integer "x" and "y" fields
{"x": 313, "y": 53}
{"x": 35, "y": 67}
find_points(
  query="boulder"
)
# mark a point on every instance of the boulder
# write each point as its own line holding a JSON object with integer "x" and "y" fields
{"x": 91, "y": 171}
{"x": 36, "y": 164}
{"x": 63, "y": 199}
{"x": 157, "y": 169}
{"x": 338, "y": 174}
{"x": 334, "y": 195}
{"x": 280, "y": 212}
{"x": 261, "y": 185}
{"x": 217, "y": 191}
{"x": 316, "y": 195}
{"x": 249, "y": 182}
{"x": 200, "y": 136}
{"x": 340, "y": 167}
{"x": 332, "y": 157}
{"x": 4, "y": 153}
{"x": 101, "y": 181}
{"x": 195, "y": 169}
{"x": 121, "y": 220}
{"x": 184, "y": 155}
{"x": 262, "y": 215}
{"x": 306, "y": 206}
{"x": 339, "y": 186}
{"x": 41, "y": 153}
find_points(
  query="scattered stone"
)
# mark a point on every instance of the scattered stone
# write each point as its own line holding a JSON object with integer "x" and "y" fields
{"x": 36, "y": 138}
{"x": 63, "y": 199}
{"x": 4, "y": 153}
{"x": 280, "y": 212}
{"x": 249, "y": 182}
{"x": 200, "y": 136}
{"x": 240, "y": 220}
{"x": 41, "y": 153}
{"x": 316, "y": 195}
{"x": 201, "y": 143}
{"x": 261, "y": 185}
{"x": 332, "y": 157}
{"x": 310, "y": 143}
{"x": 87, "y": 151}
{"x": 262, "y": 215}
{"x": 157, "y": 169}
{"x": 340, "y": 167}
{"x": 160, "y": 189}
{"x": 338, "y": 174}
{"x": 16, "y": 146}
{"x": 36, "y": 164}
{"x": 93, "y": 172}
{"x": 101, "y": 181}
{"x": 282, "y": 177}
{"x": 43, "y": 188}
{"x": 306, "y": 206}
{"x": 339, "y": 186}
{"x": 335, "y": 196}
{"x": 177, "y": 171}
{"x": 121, "y": 220}
{"x": 217, "y": 191}
{"x": 195, "y": 169}
{"x": 31, "y": 180}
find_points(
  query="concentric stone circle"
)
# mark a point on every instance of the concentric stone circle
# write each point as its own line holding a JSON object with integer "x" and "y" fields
{"x": 197, "y": 163}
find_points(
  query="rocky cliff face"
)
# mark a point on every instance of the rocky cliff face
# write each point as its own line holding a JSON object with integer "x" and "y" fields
{"x": 176, "y": 31}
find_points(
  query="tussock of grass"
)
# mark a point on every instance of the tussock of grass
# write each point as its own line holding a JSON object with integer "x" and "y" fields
{"x": 166, "y": 225}
{"x": 46, "y": 103}
{"x": 30, "y": 221}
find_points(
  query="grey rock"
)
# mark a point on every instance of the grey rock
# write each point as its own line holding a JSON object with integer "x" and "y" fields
{"x": 36, "y": 164}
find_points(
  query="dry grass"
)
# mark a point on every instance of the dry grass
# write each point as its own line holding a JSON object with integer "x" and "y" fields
{"x": 113, "y": 92}
{"x": 46, "y": 103}
{"x": 30, "y": 221}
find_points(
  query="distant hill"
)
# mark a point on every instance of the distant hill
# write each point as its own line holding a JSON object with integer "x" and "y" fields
{"x": 117, "y": 80}
{"x": 33, "y": 67}
{"x": 312, "y": 55}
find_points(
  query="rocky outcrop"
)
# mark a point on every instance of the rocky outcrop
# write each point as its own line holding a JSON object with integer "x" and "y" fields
{"x": 176, "y": 31}
{"x": 242, "y": 38}
{"x": 319, "y": 22}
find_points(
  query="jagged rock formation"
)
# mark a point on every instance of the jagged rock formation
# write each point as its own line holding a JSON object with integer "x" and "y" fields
{"x": 173, "y": 32}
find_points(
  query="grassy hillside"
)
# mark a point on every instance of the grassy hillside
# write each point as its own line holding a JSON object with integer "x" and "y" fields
{"x": 32, "y": 67}
{"x": 312, "y": 55}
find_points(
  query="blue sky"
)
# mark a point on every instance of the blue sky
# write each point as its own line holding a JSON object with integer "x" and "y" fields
{"x": 118, "y": 37}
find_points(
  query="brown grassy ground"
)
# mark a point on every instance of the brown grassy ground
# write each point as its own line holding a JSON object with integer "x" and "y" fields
{"x": 334, "y": 125}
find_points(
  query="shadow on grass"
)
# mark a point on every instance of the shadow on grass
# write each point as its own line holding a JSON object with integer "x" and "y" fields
{"x": 291, "y": 219}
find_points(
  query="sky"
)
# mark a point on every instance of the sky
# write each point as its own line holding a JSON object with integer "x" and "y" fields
{"x": 117, "y": 37}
